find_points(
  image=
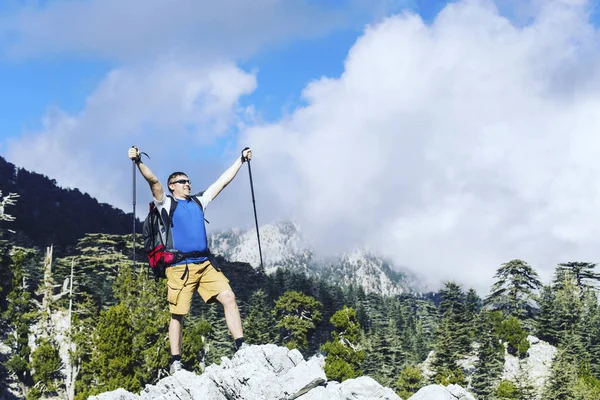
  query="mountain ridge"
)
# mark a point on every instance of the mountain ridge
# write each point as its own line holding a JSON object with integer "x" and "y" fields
{"x": 283, "y": 246}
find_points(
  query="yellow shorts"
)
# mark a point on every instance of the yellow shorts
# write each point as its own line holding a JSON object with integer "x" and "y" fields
{"x": 202, "y": 277}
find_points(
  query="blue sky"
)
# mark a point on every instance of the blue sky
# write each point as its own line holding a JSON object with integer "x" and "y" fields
{"x": 473, "y": 133}
{"x": 30, "y": 87}
{"x": 33, "y": 85}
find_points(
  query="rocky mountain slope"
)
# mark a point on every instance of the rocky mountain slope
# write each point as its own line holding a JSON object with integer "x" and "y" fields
{"x": 284, "y": 247}
{"x": 273, "y": 372}
{"x": 535, "y": 368}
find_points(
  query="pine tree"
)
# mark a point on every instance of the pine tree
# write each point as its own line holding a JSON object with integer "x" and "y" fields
{"x": 590, "y": 333}
{"x": 511, "y": 331}
{"x": 453, "y": 307}
{"x": 490, "y": 362}
{"x": 410, "y": 381}
{"x": 563, "y": 379}
{"x": 100, "y": 258}
{"x": 388, "y": 344}
{"x": 514, "y": 291}
{"x": 195, "y": 342}
{"x": 473, "y": 304}
{"x": 46, "y": 364}
{"x": 344, "y": 352}
{"x": 453, "y": 336}
{"x": 359, "y": 305}
{"x": 331, "y": 298}
{"x": 113, "y": 357}
{"x": 276, "y": 283}
{"x": 413, "y": 342}
{"x": 144, "y": 299}
{"x": 83, "y": 324}
{"x": 523, "y": 381}
{"x": 587, "y": 388}
{"x": 19, "y": 360}
{"x": 568, "y": 309}
{"x": 394, "y": 354}
{"x": 259, "y": 324}
{"x": 546, "y": 328}
{"x": 19, "y": 314}
{"x": 298, "y": 315}
{"x": 373, "y": 308}
{"x": 219, "y": 343}
{"x": 446, "y": 354}
{"x": 426, "y": 326}
{"x": 582, "y": 272}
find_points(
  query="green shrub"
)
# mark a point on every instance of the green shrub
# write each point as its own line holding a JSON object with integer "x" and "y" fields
{"x": 508, "y": 390}
{"x": 515, "y": 336}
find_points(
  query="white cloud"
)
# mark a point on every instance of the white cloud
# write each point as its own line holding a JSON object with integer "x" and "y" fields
{"x": 451, "y": 147}
{"x": 168, "y": 109}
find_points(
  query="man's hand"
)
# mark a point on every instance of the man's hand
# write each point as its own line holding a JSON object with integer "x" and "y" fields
{"x": 134, "y": 153}
{"x": 246, "y": 154}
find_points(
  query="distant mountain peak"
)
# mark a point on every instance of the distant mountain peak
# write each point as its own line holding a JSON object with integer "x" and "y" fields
{"x": 283, "y": 246}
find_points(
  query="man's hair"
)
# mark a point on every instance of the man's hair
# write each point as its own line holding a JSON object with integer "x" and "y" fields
{"x": 174, "y": 175}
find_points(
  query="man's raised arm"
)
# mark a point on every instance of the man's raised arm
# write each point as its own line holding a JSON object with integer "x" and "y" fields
{"x": 157, "y": 189}
{"x": 227, "y": 176}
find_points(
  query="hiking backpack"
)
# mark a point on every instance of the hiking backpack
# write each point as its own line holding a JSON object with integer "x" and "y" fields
{"x": 158, "y": 240}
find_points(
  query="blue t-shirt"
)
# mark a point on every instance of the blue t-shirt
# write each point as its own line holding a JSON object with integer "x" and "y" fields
{"x": 189, "y": 231}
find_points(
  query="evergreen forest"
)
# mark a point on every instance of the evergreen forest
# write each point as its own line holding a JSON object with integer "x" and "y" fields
{"x": 87, "y": 299}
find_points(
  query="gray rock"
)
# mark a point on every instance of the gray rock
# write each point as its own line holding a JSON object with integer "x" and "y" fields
{"x": 439, "y": 392}
{"x": 363, "y": 387}
{"x": 366, "y": 387}
{"x": 119, "y": 394}
{"x": 320, "y": 393}
{"x": 266, "y": 372}
{"x": 460, "y": 393}
{"x": 535, "y": 368}
{"x": 432, "y": 392}
{"x": 311, "y": 376}
{"x": 184, "y": 385}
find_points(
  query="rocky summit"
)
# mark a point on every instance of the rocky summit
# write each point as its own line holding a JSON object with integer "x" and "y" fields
{"x": 271, "y": 372}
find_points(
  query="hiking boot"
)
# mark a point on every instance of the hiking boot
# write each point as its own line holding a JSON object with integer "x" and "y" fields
{"x": 243, "y": 346}
{"x": 176, "y": 366}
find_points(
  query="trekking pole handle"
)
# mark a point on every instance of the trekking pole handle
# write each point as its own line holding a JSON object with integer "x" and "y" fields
{"x": 245, "y": 159}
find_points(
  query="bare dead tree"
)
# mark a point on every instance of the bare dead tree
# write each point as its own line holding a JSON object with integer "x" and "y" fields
{"x": 8, "y": 200}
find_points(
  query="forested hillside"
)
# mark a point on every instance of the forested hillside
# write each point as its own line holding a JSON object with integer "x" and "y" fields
{"x": 119, "y": 323}
{"x": 47, "y": 214}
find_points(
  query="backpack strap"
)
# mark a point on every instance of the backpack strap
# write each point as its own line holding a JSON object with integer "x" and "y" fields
{"x": 172, "y": 210}
{"x": 166, "y": 218}
{"x": 197, "y": 201}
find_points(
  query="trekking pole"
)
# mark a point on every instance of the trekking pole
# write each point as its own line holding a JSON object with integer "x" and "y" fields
{"x": 255, "y": 216}
{"x": 134, "y": 234}
{"x": 134, "y": 198}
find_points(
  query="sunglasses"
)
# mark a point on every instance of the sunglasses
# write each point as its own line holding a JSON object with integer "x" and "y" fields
{"x": 182, "y": 181}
